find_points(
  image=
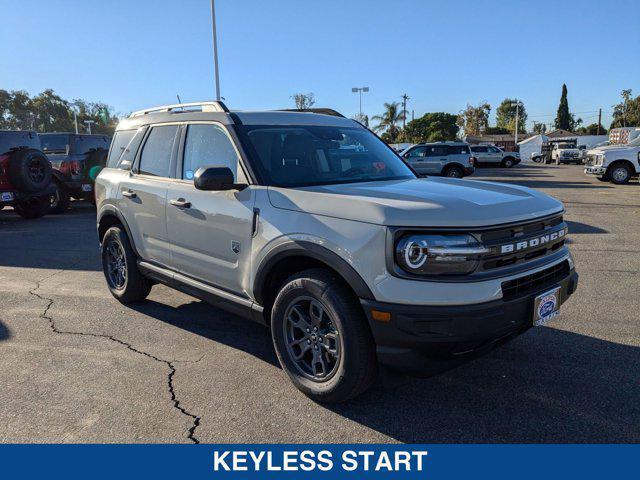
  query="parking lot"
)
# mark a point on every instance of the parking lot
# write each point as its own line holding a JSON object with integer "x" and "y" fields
{"x": 80, "y": 367}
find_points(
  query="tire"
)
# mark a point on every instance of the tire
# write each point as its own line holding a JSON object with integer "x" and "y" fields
{"x": 120, "y": 268}
{"x": 347, "y": 349}
{"x": 453, "y": 171}
{"x": 508, "y": 162}
{"x": 35, "y": 207}
{"x": 60, "y": 200}
{"x": 29, "y": 170}
{"x": 619, "y": 174}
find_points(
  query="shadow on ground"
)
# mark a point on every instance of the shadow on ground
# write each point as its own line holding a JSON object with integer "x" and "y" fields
{"x": 4, "y": 332}
{"x": 546, "y": 386}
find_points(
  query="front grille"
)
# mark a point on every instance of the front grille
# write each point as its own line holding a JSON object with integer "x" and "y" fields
{"x": 494, "y": 239}
{"x": 535, "y": 281}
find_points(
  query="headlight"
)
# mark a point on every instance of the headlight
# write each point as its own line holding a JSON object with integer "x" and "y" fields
{"x": 422, "y": 254}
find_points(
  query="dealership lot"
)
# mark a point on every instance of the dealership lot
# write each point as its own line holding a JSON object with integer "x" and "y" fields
{"x": 80, "y": 367}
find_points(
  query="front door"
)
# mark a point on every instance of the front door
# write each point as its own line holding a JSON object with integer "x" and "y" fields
{"x": 210, "y": 231}
{"x": 143, "y": 195}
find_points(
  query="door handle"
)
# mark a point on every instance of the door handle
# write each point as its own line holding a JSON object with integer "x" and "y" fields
{"x": 180, "y": 203}
{"x": 129, "y": 194}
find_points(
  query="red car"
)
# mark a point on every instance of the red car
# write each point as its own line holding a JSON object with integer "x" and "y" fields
{"x": 25, "y": 174}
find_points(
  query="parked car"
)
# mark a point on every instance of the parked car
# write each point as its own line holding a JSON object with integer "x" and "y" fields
{"x": 492, "y": 155}
{"x": 348, "y": 256}
{"x": 449, "y": 159}
{"x": 566, "y": 152}
{"x": 25, "y": 174}
{"x": 614, "y": 163}
{"x": 76, "y": 159}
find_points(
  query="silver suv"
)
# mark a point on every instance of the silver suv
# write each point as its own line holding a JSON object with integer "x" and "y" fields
{"x": 450, "y": 159}
{"x": 310, "y": 224}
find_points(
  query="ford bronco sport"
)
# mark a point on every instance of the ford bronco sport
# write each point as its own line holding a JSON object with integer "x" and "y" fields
{"x": 25, "y": 174}
{"x": 311, "y": 224}
{"x": 76, "y": 159}
{"x": 450, "y": 159}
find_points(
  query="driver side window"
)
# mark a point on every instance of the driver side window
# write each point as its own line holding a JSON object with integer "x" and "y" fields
{"x": 208, "y": 145}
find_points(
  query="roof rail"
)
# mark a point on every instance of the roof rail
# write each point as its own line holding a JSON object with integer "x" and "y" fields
{"x": 216, "y": 106}
{"x": 323, "y": 111}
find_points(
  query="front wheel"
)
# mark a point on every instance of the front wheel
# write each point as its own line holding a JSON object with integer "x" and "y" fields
{"x": 120, "y": 267}
{"x": 619, "y": 174}
{"x": 60, "y": 200}
{"x": 322, "y": 338}
{"x": 508, "y": 163}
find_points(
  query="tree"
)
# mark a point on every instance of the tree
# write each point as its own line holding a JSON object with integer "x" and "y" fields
{"x": 565, "y": 120}
{"x": 362, "y": 118}
{"x": 304, "y": 100}
{"x": 432, "y": 127}
{"x": 388, "y": 121}
{"x": 627, "y": 112}
{"x": 474, "y": 120}
{"x": 539, "y": 128}
{"x": 51, "y": 112}
{"x": 506, "y": 116}
{"x": 592, "y": 129}
{"x": 496, "y": 131}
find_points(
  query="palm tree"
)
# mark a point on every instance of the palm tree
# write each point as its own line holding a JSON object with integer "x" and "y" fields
{"x": 388, "y": 121}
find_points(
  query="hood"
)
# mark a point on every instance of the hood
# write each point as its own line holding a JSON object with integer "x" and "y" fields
{"x": 425, "y": 202}
{"x": 611, "y": 148}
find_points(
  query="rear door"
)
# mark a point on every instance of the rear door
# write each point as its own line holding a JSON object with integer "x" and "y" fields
{"x": 210, "y": 231}
{"x": 436, "y": 159}
{"x": 143, "y": 195}
{"x": 481, "y": 153}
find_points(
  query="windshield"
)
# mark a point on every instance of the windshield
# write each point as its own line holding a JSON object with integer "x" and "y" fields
{"x": 566, "y": 145}
{"x": 634, "y": 143}
{"x": 54, "y": 143}
{"x": 83, "y": 144}
{"x": 296, "y": 156}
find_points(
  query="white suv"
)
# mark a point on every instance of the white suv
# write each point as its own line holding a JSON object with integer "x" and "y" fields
{"x": 312, "y": 225}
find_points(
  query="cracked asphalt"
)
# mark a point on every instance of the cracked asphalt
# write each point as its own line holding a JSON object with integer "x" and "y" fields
{"x": 77, "y": 366}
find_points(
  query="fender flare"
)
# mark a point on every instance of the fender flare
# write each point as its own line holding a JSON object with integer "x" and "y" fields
{"x": 111, "y": 210}
{"x": 313, "y": 251}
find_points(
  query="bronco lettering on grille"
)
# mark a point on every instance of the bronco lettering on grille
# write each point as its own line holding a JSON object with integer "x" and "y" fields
{"x": 533, "y": 242}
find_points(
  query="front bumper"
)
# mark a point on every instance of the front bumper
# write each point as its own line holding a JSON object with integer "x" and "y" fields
{"x": 416, "y": 336}
{"x": 595, "y": 170}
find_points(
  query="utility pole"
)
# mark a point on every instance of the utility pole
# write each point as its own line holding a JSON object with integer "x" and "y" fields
{"x": 215, "y": 48}
{"x": 599, "y": 119}
{"x": 405, "y": 97}
{"x": 75, "y": 120}
{"x": 517, "y": 105}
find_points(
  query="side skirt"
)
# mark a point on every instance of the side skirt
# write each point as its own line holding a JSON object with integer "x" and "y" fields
{"x": 222, "y": 299}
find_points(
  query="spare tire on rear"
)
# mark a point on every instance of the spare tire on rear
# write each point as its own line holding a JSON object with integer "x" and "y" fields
{"x": 29, "y": 170}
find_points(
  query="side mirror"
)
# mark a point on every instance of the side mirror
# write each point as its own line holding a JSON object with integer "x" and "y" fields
{"x": 214, "y": 178}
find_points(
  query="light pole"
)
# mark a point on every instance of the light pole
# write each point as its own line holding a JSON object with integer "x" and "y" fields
{"x": 404, "y": 97}
{"x": 215, "y": 48}
{"x": 360, "y": 89}
{"x": 88, "y": 124}
{"x": 516, "y": 104}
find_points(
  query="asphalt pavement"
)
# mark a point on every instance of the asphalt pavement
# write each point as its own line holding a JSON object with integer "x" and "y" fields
{"x": 77, "y": 366}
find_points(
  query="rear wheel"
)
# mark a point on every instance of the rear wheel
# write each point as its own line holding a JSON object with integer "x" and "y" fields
{"x": 322, "y": 338}
{"x": 60, "y": 200}
{"x": 508, "y": 162}
{"x": 119, "y": 264}
{"x": 453, "y": 171}
{"x": 619, "y": 174}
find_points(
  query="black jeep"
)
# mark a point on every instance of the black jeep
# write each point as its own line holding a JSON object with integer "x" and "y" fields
{"x": 25, "y": 174}
{"x": 76, "y": 159}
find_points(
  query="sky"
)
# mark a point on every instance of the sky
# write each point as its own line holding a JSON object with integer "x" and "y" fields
{"x": 443, "y": 54}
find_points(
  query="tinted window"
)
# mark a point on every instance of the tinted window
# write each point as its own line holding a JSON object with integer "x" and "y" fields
{"x": 207, "y": 145}
{"x": 417, "y": 152}
{"x": 54, "y": 143}
{"x": 437, "y": 151}
{"x": 84, "y": 144}
{"x": 479, "y": 149}
{"x": 493, "y": 150}
{"x": 458, "y": 149}
{"x": 156, "y": 153}
{"x": 124, "y": 147}
{"x": 292, "y": 156}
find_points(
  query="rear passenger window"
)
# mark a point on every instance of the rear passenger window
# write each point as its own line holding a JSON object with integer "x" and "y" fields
{"x": 123, "y": 148}
{"x": 437, "y": 151}
{"x": 156, "y": 154}
{"x": 207, "y": 144}
{"x": 458, "y": 149}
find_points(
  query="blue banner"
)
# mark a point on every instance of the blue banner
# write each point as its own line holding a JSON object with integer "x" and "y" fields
{"x": 320, "y": 461}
